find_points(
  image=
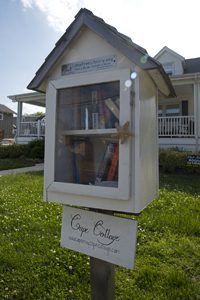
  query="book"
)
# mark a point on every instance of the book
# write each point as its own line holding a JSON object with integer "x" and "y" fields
{"x": 108, "y": 152}
{"x": 113, "y": 164}
{"x": 101, "y": 112}
{"x": 117, "y": 102}
{"x": 84, "y": 162}
{"x": 113, "y": 108}
{"x": 108, "y": 123}
{"x": 83, "y": 108}
{"x": 95, "y": 119}
{"x": 76, "y": 110}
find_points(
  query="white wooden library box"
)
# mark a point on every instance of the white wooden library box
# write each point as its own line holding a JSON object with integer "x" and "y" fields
{"x": 100, "y": 87}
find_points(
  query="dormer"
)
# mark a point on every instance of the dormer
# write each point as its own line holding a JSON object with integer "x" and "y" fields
{"x": 172, "y": 62}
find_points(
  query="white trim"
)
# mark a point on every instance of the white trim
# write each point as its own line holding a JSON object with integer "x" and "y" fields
{"x": 185, "y": 79}
{"x": 1, "y": 117}
{"x": 159, "y": 81}
{"x": 123, "y": 190}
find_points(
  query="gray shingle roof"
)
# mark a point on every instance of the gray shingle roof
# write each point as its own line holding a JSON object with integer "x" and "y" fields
{"x": 5, "y": 109}
{"x": 118, "y": 40}
{"x": 192, "y": 65}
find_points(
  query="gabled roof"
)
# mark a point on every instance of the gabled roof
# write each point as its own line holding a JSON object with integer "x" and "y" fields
{"x": 120, "y": 41}
{"x": 192, "y": 65}
{"x": 5, "y": 109}
{"x": 166, "y": 49}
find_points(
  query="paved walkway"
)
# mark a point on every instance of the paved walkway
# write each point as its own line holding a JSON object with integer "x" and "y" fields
{"x": 37, "y": 167}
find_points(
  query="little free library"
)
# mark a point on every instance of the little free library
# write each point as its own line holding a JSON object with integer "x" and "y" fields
{"x": 101, "y": 141}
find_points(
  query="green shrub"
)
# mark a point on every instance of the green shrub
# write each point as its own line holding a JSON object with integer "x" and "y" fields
{"x": 176, "y": 159}
{"x": 169, "y": 165}
{"x": 3, "y": 153}
{"x": 13, "y": 151}
{"x": 36, "y": 148}
{"x": 37, "y": 152}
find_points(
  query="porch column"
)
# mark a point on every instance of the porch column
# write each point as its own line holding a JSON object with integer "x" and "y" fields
{"x": 38, "y": 128}
{"x": 198, "y": 116}
{"x": 19, "y": 116}
{"x": 196, "y": 111}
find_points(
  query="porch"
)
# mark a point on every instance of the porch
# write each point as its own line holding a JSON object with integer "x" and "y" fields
{"x": 32, "y": 129}
{"x": 178, "y": 132}
{"x": 29, "y": 131}
{"x": 179, "y": 126}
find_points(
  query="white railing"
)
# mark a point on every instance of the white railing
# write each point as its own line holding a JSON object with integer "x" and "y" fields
{"x": 167, "y": 126}
{"x": 36, "y": 129}
{"x": 176, "y": 126}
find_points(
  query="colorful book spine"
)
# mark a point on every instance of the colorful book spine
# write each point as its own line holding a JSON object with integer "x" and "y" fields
{"x": 84, "y": 162}
{"x": 101, "y": 112}
{"x": 104, "y": 162}
{"x": 113, "y": 164}
{"x": 108, "y": 122}
{"x": 95, "y": 119}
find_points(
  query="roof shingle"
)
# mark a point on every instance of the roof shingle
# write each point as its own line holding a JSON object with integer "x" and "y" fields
{"x": 5, "y": 109}
{"x": 192, "y": 65}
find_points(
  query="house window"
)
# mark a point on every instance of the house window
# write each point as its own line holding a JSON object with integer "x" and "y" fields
{"x": 172, "y": 110}
{"x": 168, "y": 69}
{"x": 1, "y": 117}
{"x": 160, "y": 111}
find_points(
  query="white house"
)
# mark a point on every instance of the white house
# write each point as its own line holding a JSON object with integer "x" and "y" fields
{"x": 179, "y": 118}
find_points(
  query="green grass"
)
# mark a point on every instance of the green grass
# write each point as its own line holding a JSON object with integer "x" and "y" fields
{"x": 7, "y": 164}
{"x": 34, "y": 266}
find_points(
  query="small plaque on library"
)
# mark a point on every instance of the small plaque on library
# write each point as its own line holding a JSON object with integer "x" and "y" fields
{"x": 106, "y": 237}
{"x": 94, "y": 64}
{"x": 193, "y": 161}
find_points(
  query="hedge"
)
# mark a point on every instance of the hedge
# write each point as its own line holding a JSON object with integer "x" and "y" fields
{"x": 173, "y": 159}
{"x": 170, "y": 160}
{"x": 34, "y": 149}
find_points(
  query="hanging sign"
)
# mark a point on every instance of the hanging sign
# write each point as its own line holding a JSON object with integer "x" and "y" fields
{"x": 89, "y": 65}
{"x": 106, "y": 237}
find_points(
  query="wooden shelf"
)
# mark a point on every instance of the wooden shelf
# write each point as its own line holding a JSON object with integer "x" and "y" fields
{"x": 90, "y": 132}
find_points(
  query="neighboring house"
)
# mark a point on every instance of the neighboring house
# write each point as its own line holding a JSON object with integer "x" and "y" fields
{"x": 6, "y": 121}
{"x": 179, "y": 118}
{"x": 29, "y": 127}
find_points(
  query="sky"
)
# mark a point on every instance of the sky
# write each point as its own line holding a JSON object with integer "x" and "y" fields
{"x": 30, "y": 29}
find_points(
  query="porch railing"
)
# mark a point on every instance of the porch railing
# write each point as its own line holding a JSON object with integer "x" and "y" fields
{"x": 35, "y": 129}
{"x": 176, "y": 126}
{"x": 167, "y": 127}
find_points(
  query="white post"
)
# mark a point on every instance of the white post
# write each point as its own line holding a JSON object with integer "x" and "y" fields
{"x": 19, "y": 117}
{"x": 38, "y": 128}
{"x": 196, "y": 96}
{"x": 198, "y": 116}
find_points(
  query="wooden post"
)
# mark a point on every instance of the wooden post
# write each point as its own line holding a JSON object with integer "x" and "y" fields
{"x": 102, "y": 277}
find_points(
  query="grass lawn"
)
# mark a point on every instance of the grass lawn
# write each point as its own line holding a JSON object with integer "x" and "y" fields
{"x": 7, "y": 164}
{"x": 34, "y": 266}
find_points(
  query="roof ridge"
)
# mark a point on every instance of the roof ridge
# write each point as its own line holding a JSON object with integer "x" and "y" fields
{"x": 192, "y": 58}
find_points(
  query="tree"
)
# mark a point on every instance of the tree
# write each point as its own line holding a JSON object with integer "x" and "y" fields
{"x": 38, "y": 113}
